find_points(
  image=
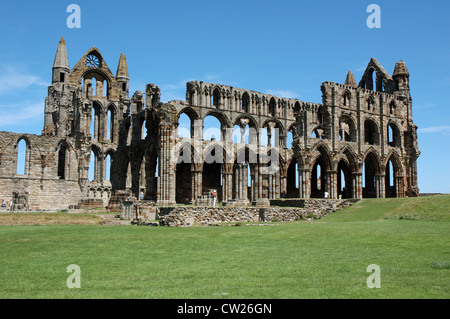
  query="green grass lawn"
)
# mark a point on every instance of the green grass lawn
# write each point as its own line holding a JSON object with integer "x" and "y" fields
{"x": 328, "y": 258}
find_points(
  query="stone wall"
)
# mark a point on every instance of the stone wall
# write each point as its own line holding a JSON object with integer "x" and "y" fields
{"x": 42, "y": 194}
{"x": 183, "y": 216}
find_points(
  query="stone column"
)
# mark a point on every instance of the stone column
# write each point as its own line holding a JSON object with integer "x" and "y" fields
{"x": 399, "y": 185}
{"x": 166, "y": 187}
{"x": 357, "y": 185}
{"x": 283, "y": 186}
{"x": 380, "y": 185}
{"x": 304, "y": 183}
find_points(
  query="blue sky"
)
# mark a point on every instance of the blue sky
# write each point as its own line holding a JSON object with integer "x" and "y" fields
{"x": 286, "y": 48}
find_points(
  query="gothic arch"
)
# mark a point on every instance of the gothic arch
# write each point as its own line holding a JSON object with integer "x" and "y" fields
{"x": 347, "y": 128}
{"x": 393, "y": 134}
{"x": 346, "y": 98}
{"x": 245, "y": 102}
{"x": 223, "y": 119}
{"x": 371, "y": 106}
{"x": 348, "y": 154}
{"x": 22, "y": 159}
{"x": 371, "y": 132}
{"x": 371, "y": 171}
{"x": 321, "y": 167}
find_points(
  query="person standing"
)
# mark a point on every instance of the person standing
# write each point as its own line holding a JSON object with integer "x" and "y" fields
{"x": 214, "y": 195}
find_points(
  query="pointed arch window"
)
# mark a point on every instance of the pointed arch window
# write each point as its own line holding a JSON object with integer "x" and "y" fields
{"x": 62, "y": 161}
{"x": 346, "y": 98}
{"x": 23, "y": 156}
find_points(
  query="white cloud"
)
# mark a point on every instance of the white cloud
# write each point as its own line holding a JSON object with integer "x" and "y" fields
{"x": 11, "y": 79}
{"x": 443, "y": 129}
{"x": 15, "y": 114}
{"x": 424, "y": 106}
{"x": 284, "y": 93}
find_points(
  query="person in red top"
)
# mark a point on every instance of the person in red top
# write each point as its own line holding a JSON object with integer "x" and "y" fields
{"x": 214, "y": 195}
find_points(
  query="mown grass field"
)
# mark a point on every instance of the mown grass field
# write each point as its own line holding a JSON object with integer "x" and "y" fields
{"x": 408, "y": 238}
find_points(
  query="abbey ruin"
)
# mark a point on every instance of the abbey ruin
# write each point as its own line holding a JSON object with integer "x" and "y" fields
{"x": 98, "y": 144}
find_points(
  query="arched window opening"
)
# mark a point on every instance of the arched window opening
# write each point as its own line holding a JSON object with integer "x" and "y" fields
{"x": 184, "y": 126}
{"x": 22, "y": 155}
{"x": 245, "y": 102}
{"x": 289, "y": 139}
{"x": 292, "y": 190}
{"x": 394, "y": 135}
{"x": 347, "y": 130}
{"x": 110, "y": 127}
{"x": 390, "y": 135}
{"x": 370, "y": 104}
{"x": 212, "y": 179}
{"x": 62, "y": 161}
{"x": 346, "y": 98}
{"x": 95, "y": 122}
{"x": 372, "y": 78}
{"x": 215, "y": 98}
{"x": 212, "y": 128}
{"x": 272, "y": 107}
{"x": 183, "y": 194}
{"x": 264, "y": 138}
{"x": 344, "y": 182}
{"x": 92, "y": 167}
{"x": 318, "y": 179}
{"x": 94, "y": 86}
{"x": 371, "y": 134}
{"x": 390, "y": 180}
{"x": 108, "y": 167}
{"x": 370, "y": 169}
{"x": 392, "y": 108}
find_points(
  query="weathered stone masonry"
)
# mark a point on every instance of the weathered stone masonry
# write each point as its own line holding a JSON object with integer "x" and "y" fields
{"x": 98, "y": 143}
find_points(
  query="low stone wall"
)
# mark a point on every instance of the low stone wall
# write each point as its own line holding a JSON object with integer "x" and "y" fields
{"x": 203, "y": 215}
{"x": 183, "y": 216}
{"x": 132, "y": 209}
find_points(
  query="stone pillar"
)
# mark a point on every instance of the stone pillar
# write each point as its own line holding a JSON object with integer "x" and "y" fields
{"x": 229, "y": 186}
{"x": 166, "y": 187}
{"x": 380, "y": 185}
{"x": 244, "y": 181}
{"x": 399, "y": 185}
{"x": 304, "y": 183}
{"x": 357, "y": 185}
{"x": 283, "y": 186}
{"x": 196, "y": 184}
